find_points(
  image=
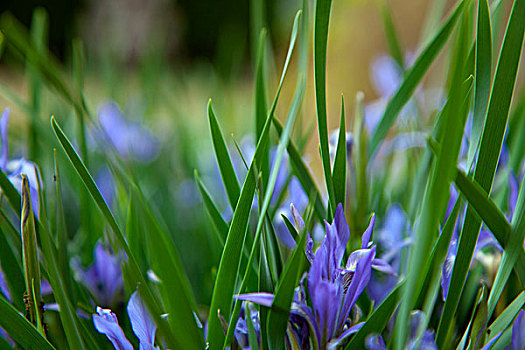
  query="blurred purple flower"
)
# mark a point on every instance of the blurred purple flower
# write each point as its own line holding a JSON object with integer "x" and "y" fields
{"x": 485, "y": 239}
{"x": 427, "y": 342}
{"x": 391, "y": 240}
{"x": 241, "y": 328}
{"x": 518, "y": 332}
{"x": 105, "y": 184}
{"x": 333, "y": 289}
{"x": 3, "y": 286}
{"x": 106, "y": 322}
{"x": 103, "y": 278}
{"x": 13, "y": 168}
{"x": 129, "y": 139}
{"x": 334, "y": 136}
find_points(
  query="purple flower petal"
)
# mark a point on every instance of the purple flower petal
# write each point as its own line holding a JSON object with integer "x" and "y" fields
{"x": 365, "y": 239}
{"x": 513, "y": 193}
{"x": 141, "y": 322}
{"x": 106, "y": 323}
{"x": 265, "y": 299}
{"x": 4, "y": 121}
{"x": 386, "y": 76}
{"x": 334, "y": 344}
{"x": 109, "y": 273}
{"x": 518, "y": 332}
{"x": 382, "y": 266}
{"x": 358, "y": 284}
{"x": 3, "y": 286}
{"x": 375, "y": 342}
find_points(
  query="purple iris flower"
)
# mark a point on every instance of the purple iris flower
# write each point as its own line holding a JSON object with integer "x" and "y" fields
{"x": 518, "y": 332}
{"x": 391, "y": 240}
{"x": 106, "y": 322}
{"x": 13, "y": 168}
{"x": 333, "y": 289}
{"x": 3, "y": 286}
{"x": 103, "y": 278}
{"x": 129, "y": 139}
{"x": 427, "y": 341}
{"x": 485, "y": 239}
{"x": 241, "y": 328}
{"x": 334, "y": 136}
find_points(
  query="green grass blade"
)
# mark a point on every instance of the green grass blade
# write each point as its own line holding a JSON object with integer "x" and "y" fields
{"x": 491, "y": 215}
{"x": 437, "y": 192}
{"x": 412, "y": 78}
{"x": 510, "y": 255}
{"x": 13, "y": 275}
{"x": 39, "y": 35}
{"x": 184, "y": 340}
{"x": 283, "y": 143}
{"x": 339, "y": 171}
{"x": 508, "y": 315}
{"x": 30, "y": 258}
{"x": 377, "y": 320}
{"x": 218, "y": 221}
{"x": 8, "y": 190}
{"x": 321, "y": 22}
{"x": 229, "y": 178}
{"x": 260, "y": 87}
{"x": 391, "y": 35}
{"x": 20, "y": 329}
{"x": 490, "y": 148}
{"x": 359, "y": 221}
{"x": 284, "y": 292}
{"x": 223, "y": 289}
{"x": 483, "y": 77}
{"x": 44, "y": 63}
{"x": 61, "y": 232}
{"x": 486, "y": 208}
{"x": 260, "y": 104}
{"x": 302, "y": 172}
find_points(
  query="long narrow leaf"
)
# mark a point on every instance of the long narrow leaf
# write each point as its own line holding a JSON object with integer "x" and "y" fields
{"x": 489, "y": 152}
{"x": 412, "y": 78}
{"x": 20, "y": 329}
{"x": 321, "y": 22}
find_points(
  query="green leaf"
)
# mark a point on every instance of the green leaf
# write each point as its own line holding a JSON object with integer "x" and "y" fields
{"x": 437, "y": 191}
{"x": 339, "y": 171}
{"x": 507, "y": 316}
{"x": 20, "y": 329}
{"x": 513, "y": 249}
{"x": 14, "y": 276}
{"x": 489, "y": 152}
{"x": 30, "y": 259}
{"x": 284, "y": 292}
{"x": 48, "y": 67}
{"x": 391, "y": 35}
{"x": 220, "y": 224}
{"x": 321, "y": 22}
{"x": 491, "y": 215}
{"x": 229, "y": 178}
{"x": 412, "y": 78}
{"x": 8, "y": 190}
{"x": 183, "y": 338}
{"x": 360, "y": 159}
{"x": 302, "y": 172}
{"x": 478, "y": 322}
{"x": 377, "y": 320}
{"x": 483, "y": 77}
{"x": 283, "y": 143}
{"x": 485, "y": 207}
